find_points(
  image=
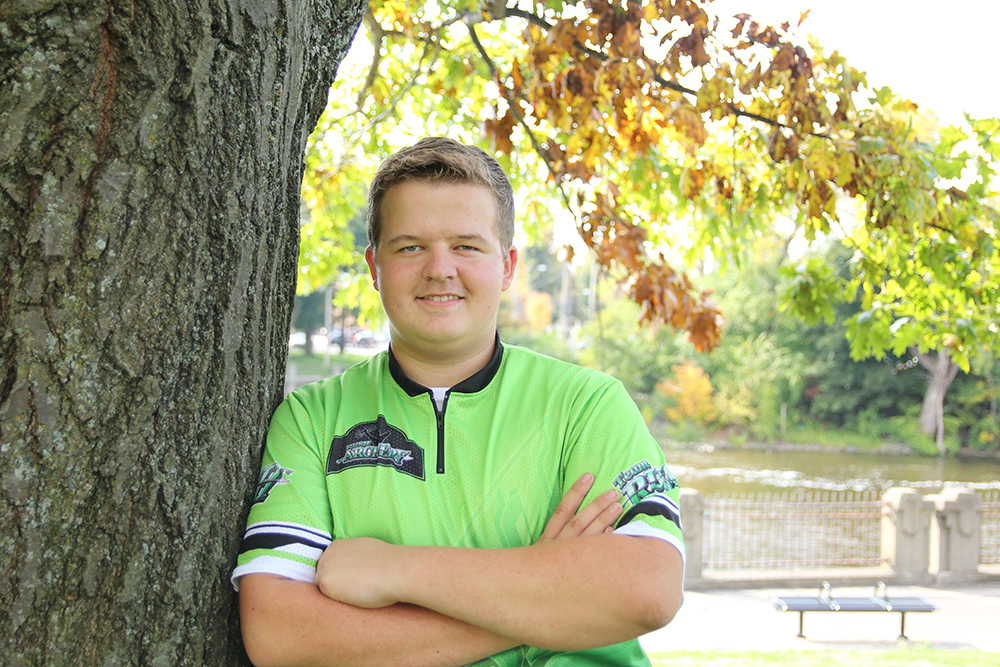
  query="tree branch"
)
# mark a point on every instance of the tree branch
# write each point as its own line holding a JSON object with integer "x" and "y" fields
{"x": 942, "y": 229}
{"x": 378, "y": 41}
{"x": 413, "y": 80}
{"x": 527, "y": 16}
{"x": 519, "y": 116}
{"x": 391, "y": 106}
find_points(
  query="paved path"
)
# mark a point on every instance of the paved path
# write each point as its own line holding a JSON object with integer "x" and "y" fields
{"x": 746, "y": 620}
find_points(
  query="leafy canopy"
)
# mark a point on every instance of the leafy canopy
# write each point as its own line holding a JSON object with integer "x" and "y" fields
{"x": 671, "y": 136}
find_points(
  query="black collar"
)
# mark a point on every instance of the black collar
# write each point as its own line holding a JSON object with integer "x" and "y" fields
{"x": 470, "y": 385}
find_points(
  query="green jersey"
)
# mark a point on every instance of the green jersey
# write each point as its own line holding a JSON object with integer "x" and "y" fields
{"x": 369, "y": 453}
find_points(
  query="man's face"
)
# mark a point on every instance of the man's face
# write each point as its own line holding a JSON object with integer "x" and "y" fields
{"x": 439, "y": 268}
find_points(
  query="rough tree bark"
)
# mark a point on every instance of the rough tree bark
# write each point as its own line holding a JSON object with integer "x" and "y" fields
{"x": 942, "y": 373}
{"x": 150, "y": 165}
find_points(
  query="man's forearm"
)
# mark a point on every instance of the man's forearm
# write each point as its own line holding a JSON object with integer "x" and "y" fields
{"x": 561, "y": 595}
{"x": 570, "y": 594}
{"x": 291, "y": 623}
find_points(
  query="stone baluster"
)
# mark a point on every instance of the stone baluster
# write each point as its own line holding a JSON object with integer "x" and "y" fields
{"x": 955, "y": 534}
{"x": 906, "y": 519}
{"x": 693, "y": 522}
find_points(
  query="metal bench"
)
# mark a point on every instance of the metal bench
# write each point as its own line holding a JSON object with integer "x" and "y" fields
{"x": 880, "y": 601}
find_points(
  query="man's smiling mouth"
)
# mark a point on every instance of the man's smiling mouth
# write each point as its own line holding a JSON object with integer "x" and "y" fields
{"x": 441, "y": 298}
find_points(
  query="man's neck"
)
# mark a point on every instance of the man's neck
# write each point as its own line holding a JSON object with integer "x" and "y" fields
{"x": 445, "y": 370}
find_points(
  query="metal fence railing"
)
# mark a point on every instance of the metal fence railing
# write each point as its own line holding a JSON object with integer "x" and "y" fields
{"x": 989, "y": 549}
{"x": 792, "y": 530}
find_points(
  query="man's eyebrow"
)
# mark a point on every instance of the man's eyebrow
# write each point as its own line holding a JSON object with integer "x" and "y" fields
{"x": 412, "y": 238}
{"x": 471, "y": 237}
{"x": 403, "y": 238}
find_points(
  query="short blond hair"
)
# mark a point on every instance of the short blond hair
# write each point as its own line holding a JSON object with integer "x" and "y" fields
{"x": 439, "y": 159}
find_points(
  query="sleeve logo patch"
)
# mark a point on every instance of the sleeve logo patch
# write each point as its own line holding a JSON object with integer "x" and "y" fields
{"x": 270, "y": 476}
{"x": 376, "y": 444}
{"x": 642, "y": 480}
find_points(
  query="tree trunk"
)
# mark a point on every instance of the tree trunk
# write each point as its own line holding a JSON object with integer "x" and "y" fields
{"x": 150, "y": 165}
{"x": 942, "y": 373}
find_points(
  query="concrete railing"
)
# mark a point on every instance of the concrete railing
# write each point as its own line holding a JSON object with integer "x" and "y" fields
{"x": 923, "y": 538}
{"x": 938, "y": 534}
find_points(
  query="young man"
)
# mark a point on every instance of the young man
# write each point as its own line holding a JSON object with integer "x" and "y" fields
{"x": 455, "y": 500}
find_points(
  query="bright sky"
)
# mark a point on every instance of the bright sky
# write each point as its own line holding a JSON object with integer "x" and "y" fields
{"x": 941, "y": 55}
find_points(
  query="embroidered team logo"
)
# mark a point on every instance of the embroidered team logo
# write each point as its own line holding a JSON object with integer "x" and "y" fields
{"x": 376, "y": 444}
{"x": 270, "y": 476}
{"x": 642, "y": 480}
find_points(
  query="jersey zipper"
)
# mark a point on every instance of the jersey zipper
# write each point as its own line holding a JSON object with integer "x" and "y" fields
{"x": 440, "y": 430}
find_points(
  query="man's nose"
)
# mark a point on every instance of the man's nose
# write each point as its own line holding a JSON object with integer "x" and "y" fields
{"x": 440, "y": 265}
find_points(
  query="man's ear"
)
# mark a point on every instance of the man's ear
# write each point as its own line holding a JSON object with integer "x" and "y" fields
{"x": 370, "y": 259}
{"x": 509, "y": 264}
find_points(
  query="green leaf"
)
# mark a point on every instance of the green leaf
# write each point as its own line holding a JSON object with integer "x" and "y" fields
{"x": 950, "y": 136}
{"x": 882, "y": 97}
{"x": 949, "y": 168}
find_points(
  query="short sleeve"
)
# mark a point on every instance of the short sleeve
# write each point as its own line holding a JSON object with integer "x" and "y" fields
{"x": 610, "y": 439}
{"x": 290, "y": 522}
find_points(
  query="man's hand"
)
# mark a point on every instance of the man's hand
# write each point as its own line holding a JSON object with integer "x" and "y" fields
{"x": 597, "y": 517}
{"x": 357, "y": 571}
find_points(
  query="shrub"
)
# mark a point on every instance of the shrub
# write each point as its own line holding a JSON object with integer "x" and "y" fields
{"x": 688, "y": 395}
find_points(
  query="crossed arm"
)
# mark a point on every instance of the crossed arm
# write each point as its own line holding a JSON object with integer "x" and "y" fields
{"x": 579, "y": 586}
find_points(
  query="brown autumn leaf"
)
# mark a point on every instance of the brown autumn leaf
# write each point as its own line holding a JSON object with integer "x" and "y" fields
{"x": 561, "y": 36}
{"x": 499, "y": 132}
{"x": 694, "y": 47}
{"x": 692, "y": 182}
{"x": 776, "y": 145}
{"x": 517, "y": 78}
{"x": 783, "y": 60}
{"x": 741, "y": 21}
{"x": 705, "y": 330}
{"x": 724, "y": 187}
{"x": 690, "y": 127}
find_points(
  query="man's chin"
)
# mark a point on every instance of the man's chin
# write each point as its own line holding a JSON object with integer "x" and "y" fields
{"x": 442, "y": 343}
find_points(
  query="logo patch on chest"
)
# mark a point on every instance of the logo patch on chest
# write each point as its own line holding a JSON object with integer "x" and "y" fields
{"x": 376, "y": 444}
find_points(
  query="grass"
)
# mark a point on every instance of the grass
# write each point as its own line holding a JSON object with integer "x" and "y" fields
{"x": 833, "y": 438}
{"x": 867, "y": 436}
{"x": 900, "y": 657}
{"x": 839, "y": 438}
{"x": 312, "y": 364}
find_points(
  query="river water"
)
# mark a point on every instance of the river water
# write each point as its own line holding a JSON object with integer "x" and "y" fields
{"x": 745, "y": 470}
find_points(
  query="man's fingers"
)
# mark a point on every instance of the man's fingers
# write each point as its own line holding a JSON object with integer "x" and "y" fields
{"x": 570, "y": 520}
{"x": 605, "y": 520}
{"x": 567, "y": 508}
{"x": 602, "y": 512}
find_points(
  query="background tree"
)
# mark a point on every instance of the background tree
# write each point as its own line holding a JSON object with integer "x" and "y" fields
{"x": 331, "y": 261}
{"x": 150, "y": 173}
{"x": 867, "y": 395}
{"x": 308, "y": 316}
{"x": 689, "y": 395}
{"x": 973, "y": 412}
